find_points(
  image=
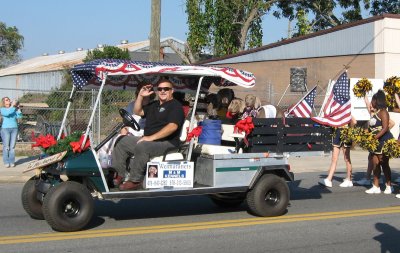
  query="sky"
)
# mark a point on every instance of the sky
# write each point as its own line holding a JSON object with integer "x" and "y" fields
{"x": 49, "y": 26}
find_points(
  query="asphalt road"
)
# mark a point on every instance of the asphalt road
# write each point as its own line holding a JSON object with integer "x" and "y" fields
{"x": 318, "y": 220}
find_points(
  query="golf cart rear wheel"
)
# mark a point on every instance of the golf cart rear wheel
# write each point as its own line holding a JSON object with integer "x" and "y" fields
{"x": 269, "y": 197}
{"x": 30, "y": 201}
{"x": 68, "y": 206}
{"x": 227, "y": 200}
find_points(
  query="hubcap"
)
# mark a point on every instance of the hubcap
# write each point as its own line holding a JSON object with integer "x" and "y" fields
{"x": 272, "y": 197}
{"x": 71, "y": 208}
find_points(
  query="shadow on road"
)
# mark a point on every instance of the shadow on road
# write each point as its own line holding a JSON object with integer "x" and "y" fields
{"x": 314, "y": 192}
{"x": 389, "y": 238}
{"x": 126, "y": 209}
{"x": 26, "y": 159}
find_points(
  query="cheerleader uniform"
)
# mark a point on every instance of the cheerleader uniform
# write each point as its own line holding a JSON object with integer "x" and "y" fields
{"x": 336, "y": 140}
{"x": 375, "y": 126}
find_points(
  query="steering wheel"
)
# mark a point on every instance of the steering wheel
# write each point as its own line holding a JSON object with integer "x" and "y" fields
{"x": 129, "y": 120}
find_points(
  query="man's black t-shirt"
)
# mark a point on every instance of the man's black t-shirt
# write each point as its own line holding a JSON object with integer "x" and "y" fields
{"x": 158, "y": 116}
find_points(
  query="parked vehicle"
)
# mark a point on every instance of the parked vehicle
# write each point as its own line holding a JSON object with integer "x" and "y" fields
{"x": 227, "y": 176}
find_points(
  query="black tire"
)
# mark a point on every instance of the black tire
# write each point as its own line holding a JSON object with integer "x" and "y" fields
{"x": 269, "y": 197}
{"x": 68, "y": 206}
{"x": 228, "y": 200}
{"x": 30, "y": 201}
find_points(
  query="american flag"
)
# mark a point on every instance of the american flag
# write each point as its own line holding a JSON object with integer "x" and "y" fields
{"x": 337, "y": 110}
{"x": 304, "y": 107}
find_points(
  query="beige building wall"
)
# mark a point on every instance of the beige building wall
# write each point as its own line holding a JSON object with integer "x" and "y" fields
{"x": 273, "y": 77}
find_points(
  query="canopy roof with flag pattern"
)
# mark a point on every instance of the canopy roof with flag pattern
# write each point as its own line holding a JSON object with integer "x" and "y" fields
{"x": 127, "y": 74}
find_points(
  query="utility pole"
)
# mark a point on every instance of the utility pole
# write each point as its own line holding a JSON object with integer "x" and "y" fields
{"x": 154, "y": 55}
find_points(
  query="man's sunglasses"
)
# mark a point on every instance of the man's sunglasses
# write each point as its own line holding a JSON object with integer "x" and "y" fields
{"x": 164, "y": 88}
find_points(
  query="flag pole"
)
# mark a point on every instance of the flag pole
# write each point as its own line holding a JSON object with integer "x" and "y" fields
{"x": 328, "y": 91}
{"x": 301, "y": 100}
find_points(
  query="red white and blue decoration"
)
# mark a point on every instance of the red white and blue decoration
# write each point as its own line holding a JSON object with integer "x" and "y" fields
{"x": 127, "y": 74}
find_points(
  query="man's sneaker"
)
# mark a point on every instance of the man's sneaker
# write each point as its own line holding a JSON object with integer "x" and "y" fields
{"x": 398, "y": 196}
{"x": 388, "y": 189}
{"x": 373, "y": 190}
{"x": 325, "y": 182}
{"x": 364, "y": 181}
{"x": 8, "y": 165}
{"x": 346, "y": 183}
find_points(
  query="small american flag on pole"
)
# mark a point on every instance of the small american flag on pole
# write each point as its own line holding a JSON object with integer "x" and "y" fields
{"x": 303, "y": 109}
{"x": 337, "y": 110}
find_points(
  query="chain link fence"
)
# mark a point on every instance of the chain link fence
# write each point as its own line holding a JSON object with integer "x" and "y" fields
{"x": 43, "y": 112}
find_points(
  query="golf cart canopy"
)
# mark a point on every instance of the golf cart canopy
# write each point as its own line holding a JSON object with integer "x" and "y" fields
{"x": 125, "y": 74}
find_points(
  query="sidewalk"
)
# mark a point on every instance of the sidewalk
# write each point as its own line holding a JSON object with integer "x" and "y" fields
{"x": 297, "y": 165}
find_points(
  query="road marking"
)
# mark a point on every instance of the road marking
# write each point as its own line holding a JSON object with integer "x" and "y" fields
{"x": 45, "y": 237}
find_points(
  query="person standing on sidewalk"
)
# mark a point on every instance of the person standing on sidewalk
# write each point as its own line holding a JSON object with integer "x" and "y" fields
{"x": 338, "y": 144}
{"x": 379, "y": 126}
{"x": 10, "y": 112}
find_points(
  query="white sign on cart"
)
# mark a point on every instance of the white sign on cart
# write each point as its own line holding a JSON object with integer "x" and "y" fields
{"x": 169, "y": 174}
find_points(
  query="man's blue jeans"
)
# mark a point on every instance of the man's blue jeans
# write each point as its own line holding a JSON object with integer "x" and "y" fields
{"x": 9, "y": 137}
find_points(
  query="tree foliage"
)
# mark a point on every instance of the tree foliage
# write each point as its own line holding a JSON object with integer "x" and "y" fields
{"x": 303, "y": 25}
{"x": 224, "y": 27}
{"x": 384, "y": 6}
{"x": 10, "y": 43}
{"x": 322, "y": 11}
{"x": 107, "y": 52}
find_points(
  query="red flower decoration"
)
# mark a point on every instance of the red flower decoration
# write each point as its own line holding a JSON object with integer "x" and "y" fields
{"x": 76, "y": 145}
{"x": 44, "y": 141}
{"x": 245, "y": 125}
{"x": 194, "y": 133}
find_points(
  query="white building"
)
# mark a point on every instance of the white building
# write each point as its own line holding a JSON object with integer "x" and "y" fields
{"x": 46, "y": 72}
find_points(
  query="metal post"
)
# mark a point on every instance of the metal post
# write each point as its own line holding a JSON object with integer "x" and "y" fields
{"x": 103, "y": 82}
{"x": 62, "y": 128}
{"x": 192, "y": 118}
{"x": 99, "y": 122}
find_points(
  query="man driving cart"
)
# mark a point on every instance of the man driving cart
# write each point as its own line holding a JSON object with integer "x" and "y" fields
{"x": 164, "y": 120}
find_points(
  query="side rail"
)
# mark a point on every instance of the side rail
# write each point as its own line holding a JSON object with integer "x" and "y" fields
{"x": 289, "y": 135}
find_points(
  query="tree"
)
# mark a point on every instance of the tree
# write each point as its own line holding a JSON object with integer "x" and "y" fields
{"x": 10, "y": 43}
{"x": 224, "y": 27}
{"x": 323, "y": 11}
{"x": 303, "y": 25}
{"x": 107, "y": 52}
{"x": 383, "y": 6}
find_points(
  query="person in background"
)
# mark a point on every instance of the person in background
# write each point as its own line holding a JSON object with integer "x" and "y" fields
{"x": 10, "y": 112}
{"x": 180, "y": 96}
{"x": 366, "y": 181}
{"x": 338, "y": 144}
{"x": 379, "y": 126}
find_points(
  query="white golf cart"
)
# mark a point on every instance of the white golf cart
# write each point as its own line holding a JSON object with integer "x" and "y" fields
{"x": 229, "y": 177}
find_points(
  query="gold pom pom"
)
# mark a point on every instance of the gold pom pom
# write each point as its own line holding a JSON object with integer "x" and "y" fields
{"x": 391, "y": 86}
{"x": 363, "y": 138}
{"x": 391, "y": 148}
{"x": 362, "y": 87}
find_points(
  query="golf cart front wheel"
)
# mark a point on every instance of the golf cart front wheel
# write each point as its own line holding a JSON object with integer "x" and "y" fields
{"x": 68, "y": 207}
{"x": 269, "y": 197}
{"x": 30, "y": 199}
